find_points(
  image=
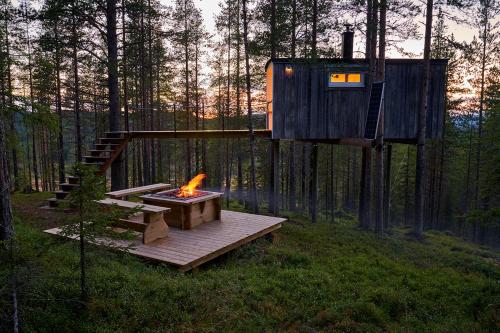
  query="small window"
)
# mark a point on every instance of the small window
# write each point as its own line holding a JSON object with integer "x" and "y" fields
{"x": 346, "y": 80}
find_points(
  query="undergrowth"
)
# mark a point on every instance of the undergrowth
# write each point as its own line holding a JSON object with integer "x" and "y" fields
{"x": 329, "y": 277}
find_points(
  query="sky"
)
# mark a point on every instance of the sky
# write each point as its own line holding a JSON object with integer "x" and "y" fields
{"x": 210, "y": 8}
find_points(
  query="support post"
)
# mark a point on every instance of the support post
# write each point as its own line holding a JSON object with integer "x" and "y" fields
{"x": 313, "y": 197}
{"x": 367, "y": 198}
{"x": 387, "y": 185}
{"x": 274, "y": 178}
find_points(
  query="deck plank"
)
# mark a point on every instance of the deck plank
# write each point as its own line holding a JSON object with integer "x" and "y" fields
{"x": 188, "y": 249}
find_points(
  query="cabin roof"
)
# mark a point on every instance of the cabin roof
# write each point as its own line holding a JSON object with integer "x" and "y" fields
{"x": 348, "y": 61}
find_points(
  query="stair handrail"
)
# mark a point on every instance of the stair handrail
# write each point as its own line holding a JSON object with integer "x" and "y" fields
{"x": 378, "y": 112}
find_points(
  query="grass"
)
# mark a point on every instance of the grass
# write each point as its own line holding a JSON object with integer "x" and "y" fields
{"x": 324, "y": 277}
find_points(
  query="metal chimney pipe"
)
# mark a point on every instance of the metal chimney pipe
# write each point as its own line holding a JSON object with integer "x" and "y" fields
{"x": 347, "y": 42}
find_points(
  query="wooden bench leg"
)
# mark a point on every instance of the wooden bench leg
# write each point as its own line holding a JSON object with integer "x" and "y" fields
{"x": 156, "y": 227}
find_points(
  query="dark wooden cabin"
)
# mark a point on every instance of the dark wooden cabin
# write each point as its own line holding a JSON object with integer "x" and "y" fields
{"x": 332, "y": 99}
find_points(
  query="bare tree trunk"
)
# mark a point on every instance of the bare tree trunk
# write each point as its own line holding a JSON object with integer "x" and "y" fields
{"x": 421, "y": 128}
{"x": 379, "y": 151}
{"x": 197, "y": 109}
{"x": 125, "y": 92}
{"x": 60, "y": 141}
{"x": 313, "y": 189}
{"x": 274, "y": 152}
{"x": 253, "y": 181}
{"x": 6, "y": 227}
{"x": 117, "y": 176}
{"x": 204, "y": 164}
{"x": 151, "y": 94}
{"x": 484, "y": 40}
{"x": 76, "y": 89}
{"x": 227, "y": 190}
{"x": 314, "y": 37}
{"x": 239, "y": 167}
{"x": 32, "y": 105}
{"x": 364, "y": 212}
{"x": 146, "y": 166}
{"x": 292, "y": 198}
{"x": 11, "y": 102}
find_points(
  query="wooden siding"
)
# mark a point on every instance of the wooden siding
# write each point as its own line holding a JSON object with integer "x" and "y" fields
{"x": 305, "y": 108}
{"x": 402, "y": 100}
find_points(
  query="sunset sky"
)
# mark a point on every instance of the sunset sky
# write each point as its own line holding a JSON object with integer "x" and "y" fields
{"x": 210, "y": 8}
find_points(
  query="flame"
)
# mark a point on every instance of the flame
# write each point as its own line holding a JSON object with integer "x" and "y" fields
{"x": 189, "y": 189}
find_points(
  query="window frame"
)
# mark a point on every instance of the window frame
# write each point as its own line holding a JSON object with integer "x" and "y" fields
{"x": 334, "y": 85}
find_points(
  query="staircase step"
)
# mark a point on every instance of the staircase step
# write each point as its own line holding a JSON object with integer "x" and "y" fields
{"x": 93, "y": 163}
{"x": 67, "y": 187}
{"x": 95, "y": 158}
{"x": 61, "y": 194}
{"x": 53, "y": 202}
{"x": 111, "y": 140}
{"x": 97, "y": 152}
{"x": 73, "y": 180}
{"x": 104, "y": 145}
{"x": 116, "y": 134}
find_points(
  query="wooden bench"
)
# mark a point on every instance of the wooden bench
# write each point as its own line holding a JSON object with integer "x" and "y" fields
{"x": 122, "y": 194}
{"x": 151, "y": 222}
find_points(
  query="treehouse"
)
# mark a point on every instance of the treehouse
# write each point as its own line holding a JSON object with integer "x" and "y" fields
{"x": 333, "y": 99}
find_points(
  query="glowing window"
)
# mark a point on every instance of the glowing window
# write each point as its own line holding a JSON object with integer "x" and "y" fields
{"x": 346, "y": 80}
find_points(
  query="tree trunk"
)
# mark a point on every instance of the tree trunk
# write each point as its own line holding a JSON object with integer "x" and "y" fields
{"x": 379, "y": 151}
{"x": 125, "y": 93}
{"x": 187, "y": 100}
{"x": 484, "y": 39}
{"x": 421, "y": 128}
{"x": 151, "y": 142}
{"x": 239, "y": 167}
{"x": 11, "y": 102}
{"x": 6, "y": 228}
{"x": 253, "y": 181}
{"x": 32, "y": 104}
{"x": 227, "y": 190}
{"x": 76, "y": 90}
{"x": 117, "y": 177}
{"x": 60, "y": 141}
{"x": 314, "y": 37}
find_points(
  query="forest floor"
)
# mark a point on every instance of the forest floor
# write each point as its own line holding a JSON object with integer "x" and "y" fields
{"x": 327, "y": 277}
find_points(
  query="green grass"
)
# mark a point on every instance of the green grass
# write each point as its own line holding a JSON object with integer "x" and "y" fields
{"x": 324, "y": 277}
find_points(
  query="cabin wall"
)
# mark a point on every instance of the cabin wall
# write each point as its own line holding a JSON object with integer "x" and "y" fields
{"x": 403, "y": 86}
{"x": 306, "y": 108}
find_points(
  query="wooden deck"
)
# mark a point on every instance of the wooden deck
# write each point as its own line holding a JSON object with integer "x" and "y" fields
{"x": 188, "y": 249}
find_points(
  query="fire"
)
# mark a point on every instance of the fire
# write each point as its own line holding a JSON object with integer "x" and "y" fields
{"x": 190, "y": 189}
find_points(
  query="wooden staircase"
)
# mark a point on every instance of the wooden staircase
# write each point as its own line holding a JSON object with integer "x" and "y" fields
{"x": 107, "y": 150}
{"x": 104, "y": 152}
{"x": 374, "y": 108}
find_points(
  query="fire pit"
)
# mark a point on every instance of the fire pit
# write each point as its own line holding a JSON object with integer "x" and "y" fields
{"x": 189, "y": 207}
